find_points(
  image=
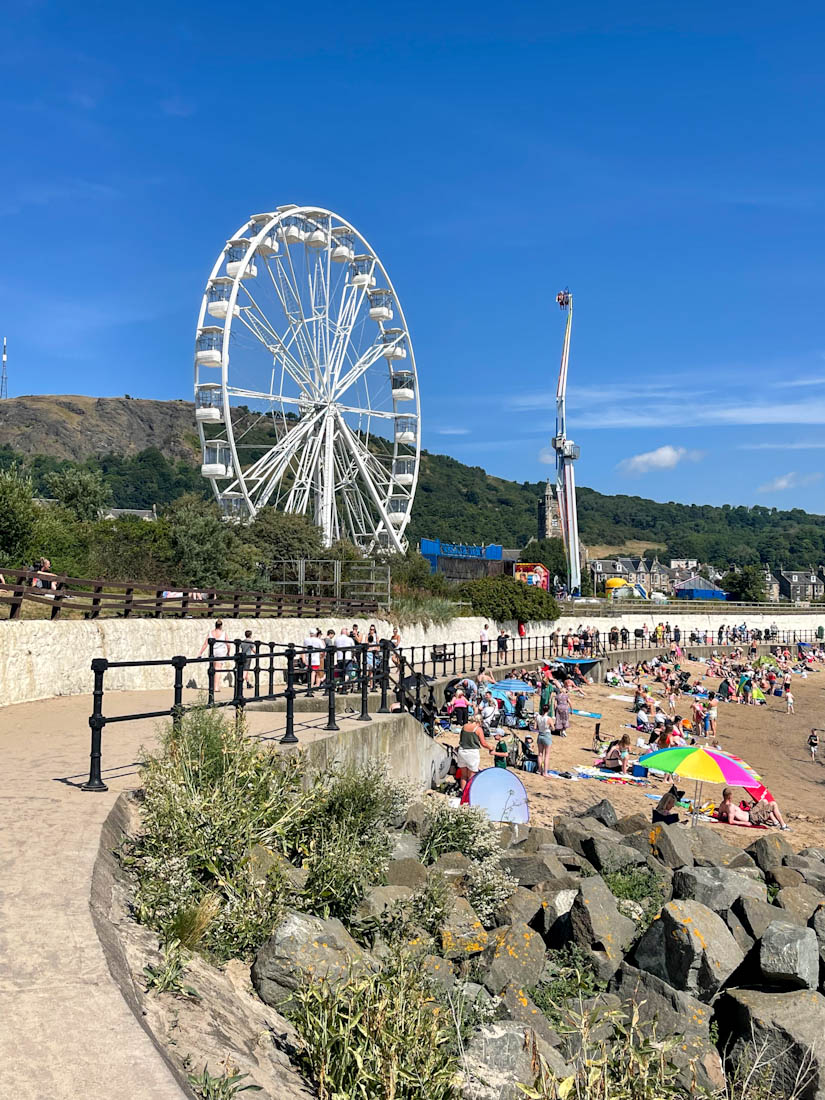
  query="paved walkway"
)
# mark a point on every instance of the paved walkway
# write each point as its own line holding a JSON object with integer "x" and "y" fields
{"x": 65, "y": 1030}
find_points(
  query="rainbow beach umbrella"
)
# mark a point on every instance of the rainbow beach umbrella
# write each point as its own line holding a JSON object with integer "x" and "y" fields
{"x": 702, "y": 764}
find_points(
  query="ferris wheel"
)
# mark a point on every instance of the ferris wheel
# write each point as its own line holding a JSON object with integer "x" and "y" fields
{"x": 306, "y": 391}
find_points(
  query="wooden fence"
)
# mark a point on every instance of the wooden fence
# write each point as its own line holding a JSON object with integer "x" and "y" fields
{"x": 57, "y": 593}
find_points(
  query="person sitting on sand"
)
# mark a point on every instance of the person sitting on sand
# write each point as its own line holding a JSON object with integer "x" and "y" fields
{"x": 663, "y": 811}
{"x": 759, "y": 813}
{"x": 617, "y": 757}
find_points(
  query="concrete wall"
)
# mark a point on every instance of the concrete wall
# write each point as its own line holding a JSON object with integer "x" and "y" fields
{"x": 40, "y": 659}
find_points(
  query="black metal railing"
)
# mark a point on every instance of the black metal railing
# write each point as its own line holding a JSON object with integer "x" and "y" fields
{"x": 284, "y": 672}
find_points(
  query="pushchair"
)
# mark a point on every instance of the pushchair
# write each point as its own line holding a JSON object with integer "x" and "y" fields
{"x": 523, "y": 755}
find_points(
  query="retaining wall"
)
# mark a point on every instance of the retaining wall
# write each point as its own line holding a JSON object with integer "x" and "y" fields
{"x": 40, "y": 659}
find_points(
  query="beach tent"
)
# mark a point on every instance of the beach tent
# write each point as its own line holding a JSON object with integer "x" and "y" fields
{"x": 697, "y": 588}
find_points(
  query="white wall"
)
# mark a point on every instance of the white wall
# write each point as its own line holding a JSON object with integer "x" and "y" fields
{"x": 40, "y": 659}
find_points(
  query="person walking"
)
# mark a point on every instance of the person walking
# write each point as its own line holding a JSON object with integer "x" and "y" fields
{"x": 562, "y": 719}
{"x": 789, "y": 701}
{"x": 468, "y": 757}
{"x": 484, "y": 640}
{"x": 544, "y": 738}
{"x": 220, "y": 650}
{"x": 813, "y": 744}
{"x": 501, "y": 647}
{"x": 248, "y": 649}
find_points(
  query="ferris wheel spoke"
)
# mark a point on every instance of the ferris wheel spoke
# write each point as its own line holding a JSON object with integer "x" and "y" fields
{"x": 359, "y": 368}
{"x": 381, "y": 414}
{"x": 297, "y": 325}
{"x": 358, "y": 518}
{"x": 353, "y": 445}
{"x": 275, "y": 348}
{"x": 262, "y": 468}
{"x": 259, "y": 318}
{"x": 348, "y": 317}
{"x": 258, "y": 395}
{"x": 303, "y": 475}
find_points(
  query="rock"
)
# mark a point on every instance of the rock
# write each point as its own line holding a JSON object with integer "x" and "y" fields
{"x": 789, "y": 955}
{"x": 787, "y": 1029}
{"x": 633, "y": 910}
{"x": 757, "y": 915}
{"x": 472, "y": 993}
{"x": 674, "y": 1013}
{"x": 462, "y": 934}
{"x": 632, "y": 823}
{"x": 521, "y": 907}
{"x": 801, "y": 901}
{"x": 769, "y": 851}
{"x": 417, "y": 819}
{"x": 603, "y": 811}
{"x": 517, "y": 1005}
{"x": 817, "y": 923}
{"x": 380, "y": 898}
{"x": 607, "y": 855}
{"x": 784, "y": 876}
{"x": 711, "y": 850}
{"x": 556, "y": 899}
{"x": 531, "y": 868}
{"x": 738, "y": 931}
{"x": 538, "y": 836}
{"x": 572, "y": 832}
{"x": 454, "y": 866}
{"x": 671, "y": 845}
{"x": 406, "y": 872}
{"x": 716, "y": 887}
{"x": 263, "y": 862}
{"x": 598, "y": 927}
{"x": 501, "y": 1056}
{"x": 813, "y": 875}
{"x": 813, "y": 853}
{"x": 515, "y": 956}
{"x": 439, "y": 970}
{"x": 689, "y": 947}
{"x": 404, "y": 846}
{"x": 573, "y": 862}
{"x": 304, "y": 947}
{"x": 513, "y": 835}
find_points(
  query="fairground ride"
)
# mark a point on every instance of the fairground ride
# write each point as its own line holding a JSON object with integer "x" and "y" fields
{"x": 306, "y": 391}
{"x": 566, "y": 454}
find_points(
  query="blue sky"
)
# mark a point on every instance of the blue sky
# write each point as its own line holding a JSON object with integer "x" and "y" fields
{"x": 666, "y": 162}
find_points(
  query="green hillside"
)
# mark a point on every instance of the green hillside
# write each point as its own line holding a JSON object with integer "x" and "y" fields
{"x": 454, "y": 501}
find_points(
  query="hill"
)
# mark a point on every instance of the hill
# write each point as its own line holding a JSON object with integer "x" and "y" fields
{"x": 147, "y": 453}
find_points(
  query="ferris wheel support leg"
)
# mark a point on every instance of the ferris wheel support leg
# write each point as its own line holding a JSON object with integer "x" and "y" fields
{"x": 327, "y": 500}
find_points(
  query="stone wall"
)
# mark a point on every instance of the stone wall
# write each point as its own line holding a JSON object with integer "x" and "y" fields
{"x": 40, "y": 659}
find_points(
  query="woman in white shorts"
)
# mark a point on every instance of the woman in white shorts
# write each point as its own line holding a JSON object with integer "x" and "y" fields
{"x": 220, "y": 648}
{"x": 470, "y": 744}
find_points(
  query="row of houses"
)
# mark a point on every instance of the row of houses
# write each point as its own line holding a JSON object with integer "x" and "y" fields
{"x": 681, "y": 575}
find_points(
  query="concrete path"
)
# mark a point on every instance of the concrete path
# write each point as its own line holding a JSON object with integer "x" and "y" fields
{"x": 65, "y": 1030}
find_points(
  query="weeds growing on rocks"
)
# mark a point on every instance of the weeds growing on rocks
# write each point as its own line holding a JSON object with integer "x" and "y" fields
{"x": 166, "y": 977}
{"x": 464, "y": 829}
{"x": 488, "y": 887}
{"x": 224, "y": 1087}
{"x": 642, "y": 888}
{"x": 567, "y": 979}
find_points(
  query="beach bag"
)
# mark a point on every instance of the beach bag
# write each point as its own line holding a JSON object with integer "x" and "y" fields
{"x": 509, "y": 720}
{"x": 530, "y": 766}
{"x": 778, "y": 691}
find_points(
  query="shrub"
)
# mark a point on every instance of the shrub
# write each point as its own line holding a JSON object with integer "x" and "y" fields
{"x": 383, "y": 1036}
{"x": 638, "y": 885}
{"x": 504, "y": 598}
{"x": 489, "y": 886}
{"x": 568, "y": 978}
{"x": 342, "y": 866}
{"x": 462, "y": 829}
{"x": 425, "y": 910}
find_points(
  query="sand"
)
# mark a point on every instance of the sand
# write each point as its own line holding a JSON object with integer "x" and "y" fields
{"x": 772, "y": 742}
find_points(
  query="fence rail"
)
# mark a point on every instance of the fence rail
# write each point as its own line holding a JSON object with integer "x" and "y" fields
{"x": 59, "y": 593}
{"x": 287, "y": 671}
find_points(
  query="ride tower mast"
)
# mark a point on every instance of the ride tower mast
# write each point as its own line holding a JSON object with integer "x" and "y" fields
{"x": 566, "y": 454}
{"x": 4, "y": 377}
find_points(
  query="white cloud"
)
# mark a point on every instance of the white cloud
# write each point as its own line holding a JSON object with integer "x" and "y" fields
{"x": 801, "y": 446}
{"x": 796, "y": 382}
{"x": 452, "y": 431}
{"x": 548, "y": 456}
{"x": 792, "y": 480}
{"x": 663, "y": 458}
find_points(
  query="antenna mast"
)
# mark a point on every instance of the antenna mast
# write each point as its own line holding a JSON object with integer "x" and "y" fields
{"x": 4, "y": 378}
{"x": 566, "y": 454}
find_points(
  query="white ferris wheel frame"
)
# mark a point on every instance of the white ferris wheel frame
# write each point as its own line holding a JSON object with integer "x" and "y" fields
{"x": 262, "y": 227}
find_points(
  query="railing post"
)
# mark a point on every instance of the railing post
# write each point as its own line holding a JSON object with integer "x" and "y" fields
{"x": 271, "y": 668}
{"x": 310, "y": 694}
{"x": 385, "y": 675}
{"x": 178, "y": 664}
{"x": 289, "y": 737}
{"x": 257, "y": 672}
{"x": 463, "y": 658}
{"x": 96, "y": 724}
{"x": 402, "y": 706}
{"x": 329, "y": 666}
{"x": 364, "y": 716}
{"x": 238, "y": 701}
{"x": 210, "y": 675}
{"x": 418, "y": 696}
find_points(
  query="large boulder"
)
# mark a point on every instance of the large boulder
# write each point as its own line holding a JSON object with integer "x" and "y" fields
{"x": 602, "y": 811}
{"x": 674, "y": 1013}
{"x": 738, "y": 930}
{"x": 606, "y": 855}
{"x": 711, "y": 850}
{"x": 454, "y": 866}
{"x": 379, "y": 899}
{"x": 404, "y": 846}
{"x": 516, "y": 1004}
{"x": 406, "y": 872}
{"x": 572, "y": 862}
{"x": 522, "y": 906}
{"x": 632, "y": 823}
{"x": 265, "y": 863}
{"x": 501, "y": 1056}
{"x": 304, "y": 947}
{"x": 572, "y": 832}
{"x": 598, "y": 927}
{"x": 786, "y": 1028}
{"x": 784, "y": 876}
{"x": 556, "y": 897}
{"x": 689, "y": 947}
{"x": 789, "y": 955}
{"x": 716, "y": 887}
{"x": 812, "y": 870}
{"x": 530, "y": 868}
{"x": 671, "y": 844}
{"x": 757, "y": 915}
{"x": 800, "y": 901}
{"x": 438, "y": 970}
{"x": 813, "y": 853}
{"x": 818, "y": 925}
{"x": 769, "y": 851}
{"x": 462, "y": 933}
{"x": 515, "y": 956}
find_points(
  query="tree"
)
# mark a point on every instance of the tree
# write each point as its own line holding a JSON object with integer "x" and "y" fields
{"x": 81, "y": 492}
{"x": 550, "y": 552}
{"x": 18, "y": 516}
{"x": 281, "y": 536}
{"x": 747, "y": 586}
{"x": 199, "y": 543}
{"x": 131, "y": 549}
{"x": 504, "y": 598}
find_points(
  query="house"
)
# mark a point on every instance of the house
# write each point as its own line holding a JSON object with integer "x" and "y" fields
{"x": 659, "y": 577}
{"x": 771, "y": 586}
{"x": 800, "y": 584}
{"x": 691, "y": 564}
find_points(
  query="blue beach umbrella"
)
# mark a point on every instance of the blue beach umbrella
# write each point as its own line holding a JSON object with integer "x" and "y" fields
{"x": 514, "y": 685}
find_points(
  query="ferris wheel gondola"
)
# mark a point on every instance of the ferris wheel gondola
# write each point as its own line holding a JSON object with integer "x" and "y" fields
{"x": 306, "y": 389}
